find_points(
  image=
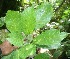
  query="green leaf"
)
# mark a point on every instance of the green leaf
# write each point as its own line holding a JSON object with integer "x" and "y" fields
{"x": 51, "y": 38}
{"x": 15, "y": 54}
{"x": 20, "y": 22}
{"x": 44, "y": 12}
{"x": 42, "y": 56}
{"x": 12, "y": 21}
{"x": 28, "y": 20}
{"x": 57, "y": 53}
{"x": 27, "y": 50}
{"x": 16, "y": 39}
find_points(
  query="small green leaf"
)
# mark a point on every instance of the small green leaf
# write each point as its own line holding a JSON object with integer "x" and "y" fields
{"x": 42, "y": 56}
{"x": 57, "y": 53}
{"x": 63, "y": 35}
{"x": 51, "y": 38}
{"x": 44, "y": 12}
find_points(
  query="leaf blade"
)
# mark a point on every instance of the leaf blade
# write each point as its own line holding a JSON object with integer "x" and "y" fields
{"x": 44, "y": 13}
{"x": 51, "y": 38}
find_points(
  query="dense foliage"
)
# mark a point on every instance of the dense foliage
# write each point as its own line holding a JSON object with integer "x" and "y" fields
{"x": 34, "y": 25}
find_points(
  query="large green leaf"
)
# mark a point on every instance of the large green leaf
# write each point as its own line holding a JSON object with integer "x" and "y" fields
{"x": 28, "y": 20}
{"x": 44, "y": 12}
{"x": 22, "y": 53}
{"x": 42, "y": 56}
{"x": 20, "y": 22}
{"x": 13, "y": 24}
{"x": 51, "y": 38}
